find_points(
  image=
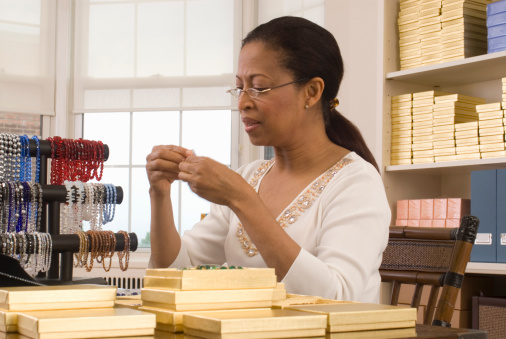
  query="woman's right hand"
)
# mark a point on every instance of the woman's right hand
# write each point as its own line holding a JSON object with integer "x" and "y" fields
{"x": 162, "y": 167}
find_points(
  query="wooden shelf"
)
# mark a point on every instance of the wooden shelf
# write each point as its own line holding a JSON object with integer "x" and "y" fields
{"x": 450, "y": 167}
{"x": 458, "y": 72}
{"x": 486, "y": 268}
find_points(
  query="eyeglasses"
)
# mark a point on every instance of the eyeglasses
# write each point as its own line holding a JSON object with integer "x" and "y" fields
{"x": 253, "y": 92}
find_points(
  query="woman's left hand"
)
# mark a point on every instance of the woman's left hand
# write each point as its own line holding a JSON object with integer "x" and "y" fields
{"x": 213, "y": 181}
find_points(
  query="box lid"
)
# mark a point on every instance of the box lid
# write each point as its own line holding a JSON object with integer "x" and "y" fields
{"x": 103, "y": 319}
{"x": 254, "y": 321}
{"x": 204, "y": 297}
{"x": 52, "y": 294}
{"x": 360, "y": 313}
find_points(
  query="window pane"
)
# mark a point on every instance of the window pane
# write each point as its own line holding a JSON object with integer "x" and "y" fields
{"x": 150, "y": 129}
{"x": 208, "y": 133}
{"x": 310, "y": 9}
{"x": 160, "y": 38}
{"x": 111, "y": 40}
{"x": 113, "y": 129}
{"x": 117, "y": 177}
{"x": 192, "y": 206}
{"x": 141, "y": 209}
{"x": 210, "y": 32}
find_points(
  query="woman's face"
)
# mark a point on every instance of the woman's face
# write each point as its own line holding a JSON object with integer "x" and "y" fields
{"x": 275, "y": 117}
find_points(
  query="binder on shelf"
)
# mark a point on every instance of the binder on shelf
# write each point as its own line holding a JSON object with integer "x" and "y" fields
{"x": 501, "y": 216}
{"x": 484, "y": 206}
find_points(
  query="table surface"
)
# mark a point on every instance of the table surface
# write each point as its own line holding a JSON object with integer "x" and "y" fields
{"x": 422, "y": 331}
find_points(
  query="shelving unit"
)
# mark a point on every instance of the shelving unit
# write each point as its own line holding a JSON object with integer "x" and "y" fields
{"x": 479, "y": 76}
{"x": 455, "y": 73}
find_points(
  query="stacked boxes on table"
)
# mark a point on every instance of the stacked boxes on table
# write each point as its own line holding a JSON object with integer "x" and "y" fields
{"x": 401, "y": 129}
{"x": 491, "y": 130}
{"x": 218, "y": 302}
{"x": 443, "y": 212}
{"x": 170, "y": 293}
{"x": 496, "y": 24}
{"x": 409, "y": 34}
{"x": 70, "y": 311}
{"x": 435, "y": 31}
{"x": 488, "y": 198}
{"x": 450, "y": 111}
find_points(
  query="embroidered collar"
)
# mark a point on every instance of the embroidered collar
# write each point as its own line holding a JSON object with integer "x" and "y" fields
{"x": 296, "y": 208}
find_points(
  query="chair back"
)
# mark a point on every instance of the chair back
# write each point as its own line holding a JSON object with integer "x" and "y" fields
{"x": 436, "y": 257}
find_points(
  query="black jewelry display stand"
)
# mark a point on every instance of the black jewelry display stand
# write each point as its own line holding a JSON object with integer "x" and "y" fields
{"x": 65, "y": 245}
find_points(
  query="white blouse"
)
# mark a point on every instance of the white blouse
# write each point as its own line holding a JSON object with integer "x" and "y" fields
{"x": 340, "y": 221}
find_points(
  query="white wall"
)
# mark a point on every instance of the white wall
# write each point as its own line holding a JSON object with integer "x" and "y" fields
{"x": 358, "y": 28}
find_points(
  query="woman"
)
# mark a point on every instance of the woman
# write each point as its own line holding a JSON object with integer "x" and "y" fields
{"x": 322, "y": 187}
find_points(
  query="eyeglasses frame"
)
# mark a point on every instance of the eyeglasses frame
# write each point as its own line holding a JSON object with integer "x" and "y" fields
{"x": 256, "y": 91}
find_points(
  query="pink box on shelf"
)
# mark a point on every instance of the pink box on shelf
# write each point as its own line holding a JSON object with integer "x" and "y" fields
{"x": 401, "y": 222}
{"x": 438, "y": 223}
{"x": 414, "y": 210}
{"x": 413, "y": 222}
{"x": 425, "y": 223}
{"x": 457, "y": 208}
{"x": 427, "y": 209}
{"x": 402, "y": 209}
{"x": 440, "y": 207}
{"x": 452, "y": 223}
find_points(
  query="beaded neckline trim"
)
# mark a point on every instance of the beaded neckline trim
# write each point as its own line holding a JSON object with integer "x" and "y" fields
{"x": 299, "y": 206}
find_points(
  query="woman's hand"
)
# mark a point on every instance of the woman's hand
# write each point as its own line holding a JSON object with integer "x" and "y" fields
{"x": 213, "y": 181}
{"x": 162, "y": 166}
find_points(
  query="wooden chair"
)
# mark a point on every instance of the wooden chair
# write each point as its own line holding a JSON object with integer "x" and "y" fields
{"x": 429, "y": 256}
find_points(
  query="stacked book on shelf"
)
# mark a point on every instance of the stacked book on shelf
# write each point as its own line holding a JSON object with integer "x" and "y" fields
{"x": 423, "y": 125}
{"x": 432, "y": 31}
{"x": 442, "y": 212}
{"x": 466, "y": 141}
{"x": 446, "y": 127}
{"x": 451, "y": 111}
{"x": 496, "y": 25}
{"x": 69, "y": 311}
{"x": 491, "y": 130}
{"x": 402, "y": 129}
{"x": 220, "y": 302}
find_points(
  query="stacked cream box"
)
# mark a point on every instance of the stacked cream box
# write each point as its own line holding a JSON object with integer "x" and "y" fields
{"x": 435, "y": 31}
{"x": 401, "y": 129}
{"x": 430, "y": 31}
{"x": 446, "y": 127}
{"x": 464, "y": 28}
{"x": 423, "y": 126}
{"x": 409, "y": 34}
{"x": 449, "y": 112}
{"x": 467, "y": 141}
{"x": 491, "y": 130}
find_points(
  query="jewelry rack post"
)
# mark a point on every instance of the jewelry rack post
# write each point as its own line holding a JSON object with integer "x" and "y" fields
{"x": 54, "y": 229}
{"x": 43, "y": 181}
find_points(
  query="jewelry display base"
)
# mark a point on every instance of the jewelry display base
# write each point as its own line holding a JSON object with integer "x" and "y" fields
{"x": 74, "y": 281}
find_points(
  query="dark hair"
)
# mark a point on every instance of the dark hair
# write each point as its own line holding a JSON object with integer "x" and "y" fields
{"x": 308, "y": 50}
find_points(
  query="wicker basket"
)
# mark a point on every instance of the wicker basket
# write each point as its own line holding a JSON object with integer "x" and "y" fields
{"x": 489, "y": 314}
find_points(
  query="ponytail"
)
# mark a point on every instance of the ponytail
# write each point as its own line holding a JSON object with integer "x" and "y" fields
{"x": 344, "y": 133}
